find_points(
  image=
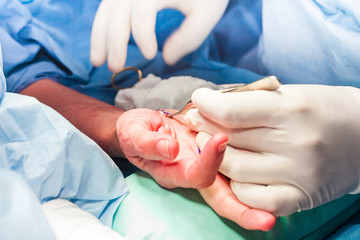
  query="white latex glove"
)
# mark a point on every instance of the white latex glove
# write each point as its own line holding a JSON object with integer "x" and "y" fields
{"x": 68, "y": 222}
{"x": 303, "y": 143}
{"x": 116, "y": 18}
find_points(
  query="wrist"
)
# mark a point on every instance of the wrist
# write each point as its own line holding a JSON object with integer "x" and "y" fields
{"x": 108, "y": 139}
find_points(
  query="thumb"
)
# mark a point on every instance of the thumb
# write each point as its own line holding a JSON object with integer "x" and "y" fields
{"x": 141, "y": 133}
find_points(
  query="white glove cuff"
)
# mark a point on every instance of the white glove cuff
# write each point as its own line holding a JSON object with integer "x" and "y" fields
{"x": 68, "y": 221}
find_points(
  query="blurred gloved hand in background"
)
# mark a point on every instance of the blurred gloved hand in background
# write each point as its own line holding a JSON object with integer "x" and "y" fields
{"x": 116, "y": 19}
{"x": 301, "y": 142}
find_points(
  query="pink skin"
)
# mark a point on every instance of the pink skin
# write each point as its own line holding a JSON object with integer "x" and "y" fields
{"x": 223, "y": 201}
{"x": 179, "y": 164}
{"x": 172, "y": 164}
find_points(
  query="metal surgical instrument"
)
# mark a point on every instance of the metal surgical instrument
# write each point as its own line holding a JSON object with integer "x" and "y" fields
{"x": 269, "y": 83}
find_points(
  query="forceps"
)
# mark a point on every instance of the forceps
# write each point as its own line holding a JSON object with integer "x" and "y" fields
{"x": 269, "y": 83}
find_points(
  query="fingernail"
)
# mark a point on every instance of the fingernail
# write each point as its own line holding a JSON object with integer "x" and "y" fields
{"x": 163, "y": 148}
{"x": 222, "y": 147}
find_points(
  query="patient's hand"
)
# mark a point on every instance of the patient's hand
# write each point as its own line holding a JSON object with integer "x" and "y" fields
{"x": 139, "y": 133}
{"x": 223, "y": 201}
{"x": 167, "y": 150}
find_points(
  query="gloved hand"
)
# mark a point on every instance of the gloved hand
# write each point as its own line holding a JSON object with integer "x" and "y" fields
{"x": 301, "y": 142}
{"x": 116, "y": 18}
{"x": 167, "y": 150}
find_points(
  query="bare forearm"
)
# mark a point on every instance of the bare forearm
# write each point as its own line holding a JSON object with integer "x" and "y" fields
{"x": 95, "y": 118}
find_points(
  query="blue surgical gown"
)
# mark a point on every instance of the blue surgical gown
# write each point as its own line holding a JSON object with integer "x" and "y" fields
{"x": 51, "y": 39}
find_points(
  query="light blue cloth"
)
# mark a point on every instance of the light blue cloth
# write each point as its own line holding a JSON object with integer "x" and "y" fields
{"x": 19, "y": 207}
{"x": 56, "y": 159}
{"x": 36, "y": 35}
{"x": 2, "y": 77}
{"x": 21, "y": 216}
{"x": 42, "y": 156}
{"x": 312, "y": 41}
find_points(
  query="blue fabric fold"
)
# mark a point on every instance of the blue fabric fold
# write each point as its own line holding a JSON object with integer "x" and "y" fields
{"x": 56, "y": 160}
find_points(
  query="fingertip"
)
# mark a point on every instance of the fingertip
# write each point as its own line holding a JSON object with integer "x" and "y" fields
{"x": 220, "y": 138}
{"x": 173, "y": 51}
{"x": 115, "y": 64}
{"x": 149, "y": 52}
{"x": 145, "y": 40}
{"x": 218, "y": 141}
{"x": 97, "y": 59}
{"x": 169, "y": 58}
{"x": 259, "y": 220}
{"x": 97, "y": 49}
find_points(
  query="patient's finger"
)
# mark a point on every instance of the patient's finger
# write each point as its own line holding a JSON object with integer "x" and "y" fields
{"x": 251, "y": 167}
{"x": 223, "y": 201}
{"x": 209, "y": 161}
{"x": 188, "y": 172}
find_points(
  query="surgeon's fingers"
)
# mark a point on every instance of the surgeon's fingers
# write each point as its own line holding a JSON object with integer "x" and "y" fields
{"x": 280, "y": 200}
{"x": 260, "y": 139}
{"x": 189, "y": 173}
{"x": 99, "y": 33}
{"x": 223, "y": 201}
{"x": 198, "y": 23}
{"x": 247, "y": 166}
{"x": 143, "y": 19}
{"x": 239, "y": 109}
{"x": 145, "y": 135}
{"x": 118, "y": 34}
